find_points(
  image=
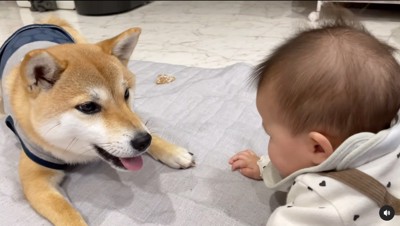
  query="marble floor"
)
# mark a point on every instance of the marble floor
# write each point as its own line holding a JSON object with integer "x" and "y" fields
{"x": 200, "y": 33}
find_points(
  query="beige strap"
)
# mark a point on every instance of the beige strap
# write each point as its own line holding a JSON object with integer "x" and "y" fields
{"x": 367, "y": 185}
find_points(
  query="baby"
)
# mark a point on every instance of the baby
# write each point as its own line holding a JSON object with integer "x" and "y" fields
{"x": 329, "y": 99}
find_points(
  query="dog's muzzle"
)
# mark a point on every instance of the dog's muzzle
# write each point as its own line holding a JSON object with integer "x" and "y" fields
{"x": 140, "y": 143}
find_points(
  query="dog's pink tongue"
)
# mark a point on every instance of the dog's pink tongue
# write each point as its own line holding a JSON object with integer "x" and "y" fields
{"x": 134, "y": 163}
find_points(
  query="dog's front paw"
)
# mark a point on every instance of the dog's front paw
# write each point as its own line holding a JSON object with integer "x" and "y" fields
{"x": 180, "y": 158}
{"x": 171, "y": 154}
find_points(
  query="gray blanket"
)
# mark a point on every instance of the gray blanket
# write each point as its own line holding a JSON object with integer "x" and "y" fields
{"x": 212, "y": 113}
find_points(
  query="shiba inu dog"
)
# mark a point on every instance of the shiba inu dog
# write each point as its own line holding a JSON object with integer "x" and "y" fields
{"x": 71, "y": 102}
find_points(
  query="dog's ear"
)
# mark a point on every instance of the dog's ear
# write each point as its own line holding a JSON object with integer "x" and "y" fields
{"x": 41, "y": 69}
{"x": 122, "y": 45}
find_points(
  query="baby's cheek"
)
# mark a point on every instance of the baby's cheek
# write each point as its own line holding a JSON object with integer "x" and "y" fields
{"x": 280, "y": 163}
{"x": 275, "y": 158}
{"x": 282, "y": 169}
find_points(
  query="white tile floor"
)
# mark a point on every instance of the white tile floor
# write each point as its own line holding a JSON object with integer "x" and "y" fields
{"x": 204, "y": 34}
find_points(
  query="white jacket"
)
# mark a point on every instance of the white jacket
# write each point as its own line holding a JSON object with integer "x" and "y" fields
{"x": 319, "y": 200}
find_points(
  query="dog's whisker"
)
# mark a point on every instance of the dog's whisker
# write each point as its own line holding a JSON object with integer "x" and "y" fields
{"x": 87, "y": 149}
{"x": 101, "y": 143}
{"x": 70, "y": 143}
{"x": 113, "y": 151}
{"x": 127, "y": 135}
{"x": 139, "y": 97}
{"x": 52, "y": 128}
{"x": 130, "y": 78}
{"x": 104, "y": 144}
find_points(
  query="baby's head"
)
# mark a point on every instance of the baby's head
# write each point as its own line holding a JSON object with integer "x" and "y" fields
{"x": 322, "y": 86}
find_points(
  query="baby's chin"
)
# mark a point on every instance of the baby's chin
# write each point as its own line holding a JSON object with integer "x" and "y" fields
{"x": 282, "y": 173}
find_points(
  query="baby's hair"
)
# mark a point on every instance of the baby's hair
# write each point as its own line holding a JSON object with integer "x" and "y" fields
{"x": 337, "y": 79}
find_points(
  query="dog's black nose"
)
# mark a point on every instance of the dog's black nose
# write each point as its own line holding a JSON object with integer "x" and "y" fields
{"x": 141, "y": 141}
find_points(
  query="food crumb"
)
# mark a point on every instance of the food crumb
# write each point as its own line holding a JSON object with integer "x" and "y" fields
{"x": 164, "y": 79}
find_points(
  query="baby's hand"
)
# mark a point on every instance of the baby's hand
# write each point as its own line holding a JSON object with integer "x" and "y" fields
{"x": 246, "y": 162}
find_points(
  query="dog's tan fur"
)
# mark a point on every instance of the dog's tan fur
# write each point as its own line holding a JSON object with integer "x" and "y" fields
{"x": 37, "y": 103}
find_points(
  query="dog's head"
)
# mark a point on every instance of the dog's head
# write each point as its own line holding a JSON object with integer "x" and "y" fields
{"x": 81, "y": 101}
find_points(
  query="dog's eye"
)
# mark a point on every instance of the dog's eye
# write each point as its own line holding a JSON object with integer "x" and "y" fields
{"x": 89, "y": 108}
{"x": 126, "y": 95}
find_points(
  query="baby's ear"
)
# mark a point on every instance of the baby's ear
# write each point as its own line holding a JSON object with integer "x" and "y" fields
{"x": 41, "y": 69}
{"x": 322, "y": 147}
{"x": 122, "y": 45}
